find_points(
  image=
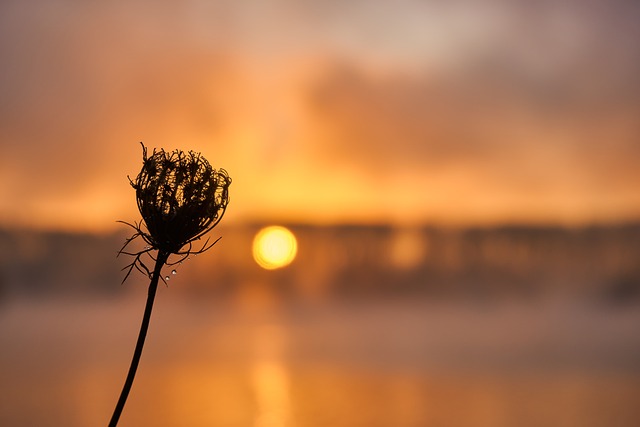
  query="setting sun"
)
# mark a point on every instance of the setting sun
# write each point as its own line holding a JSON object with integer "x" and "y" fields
{"x": 274, "y": 247}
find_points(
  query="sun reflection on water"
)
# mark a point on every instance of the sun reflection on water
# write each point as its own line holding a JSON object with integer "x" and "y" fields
{"x": 270, "y": 379}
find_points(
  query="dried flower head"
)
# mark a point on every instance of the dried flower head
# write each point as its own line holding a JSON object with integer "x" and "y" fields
{"x": 181, "y": 198}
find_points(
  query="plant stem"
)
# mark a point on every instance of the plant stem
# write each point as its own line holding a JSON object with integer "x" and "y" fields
{"x": 153, "y": 286}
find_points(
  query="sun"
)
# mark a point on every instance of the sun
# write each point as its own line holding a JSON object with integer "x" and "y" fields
{"x": 274, "y": 247}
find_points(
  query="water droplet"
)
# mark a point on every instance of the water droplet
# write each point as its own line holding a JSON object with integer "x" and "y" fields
{"x": 167, "y": 278}
{"x": 174, "y": 272}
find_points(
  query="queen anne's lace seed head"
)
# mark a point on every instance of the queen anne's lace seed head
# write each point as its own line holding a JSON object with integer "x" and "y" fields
{"x": 180, "y": 197}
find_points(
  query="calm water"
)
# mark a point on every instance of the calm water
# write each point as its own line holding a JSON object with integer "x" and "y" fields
{"x": 349, "y": 364}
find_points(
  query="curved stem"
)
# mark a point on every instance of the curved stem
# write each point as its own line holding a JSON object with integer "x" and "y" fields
{"x": 153, "y": 286}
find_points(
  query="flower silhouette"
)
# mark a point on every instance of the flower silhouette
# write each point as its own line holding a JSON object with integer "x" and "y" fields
{"x": 181, "y": 198}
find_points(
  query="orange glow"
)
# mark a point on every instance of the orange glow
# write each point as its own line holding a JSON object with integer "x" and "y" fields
{"x": 296, "y": 103}
{"x": 274, "y": 247}
{"x": 407, "y": 249}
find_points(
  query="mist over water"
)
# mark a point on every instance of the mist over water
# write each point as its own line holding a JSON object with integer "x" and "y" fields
{"x": 369, "y": 326}
{"x": 342, "y": 364}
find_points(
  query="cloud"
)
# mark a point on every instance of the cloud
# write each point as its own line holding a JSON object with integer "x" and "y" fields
{"x": 520, "y": 105}
{"x": 482, "y": 138}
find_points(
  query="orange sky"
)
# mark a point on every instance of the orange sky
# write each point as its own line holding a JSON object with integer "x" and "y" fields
{"x": 463, "y": 112}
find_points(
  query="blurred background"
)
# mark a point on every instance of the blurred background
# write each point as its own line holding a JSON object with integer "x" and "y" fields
{"x": 458, "y": 184}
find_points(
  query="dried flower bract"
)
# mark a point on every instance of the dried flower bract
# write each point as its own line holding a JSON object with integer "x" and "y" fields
{"x": 181, "y": 198}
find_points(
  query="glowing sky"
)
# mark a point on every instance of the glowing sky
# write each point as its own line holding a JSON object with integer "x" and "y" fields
{"x": 325, "y": 111}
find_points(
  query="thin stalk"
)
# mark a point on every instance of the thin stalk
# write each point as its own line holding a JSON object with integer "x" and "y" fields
{"x": 153, "y": 286}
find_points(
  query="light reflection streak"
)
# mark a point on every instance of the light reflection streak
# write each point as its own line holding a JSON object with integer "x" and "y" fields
{"x": 270, "y": 379}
